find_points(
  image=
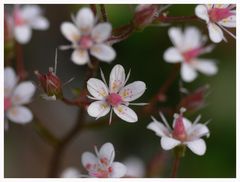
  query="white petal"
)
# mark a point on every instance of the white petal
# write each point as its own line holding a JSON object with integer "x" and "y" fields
{"x": 23, "y": 33}
{"x": 116, "y": 79}
{"x": 107, "y": 151}
{"x": 85, "y": 20}
{"x": 40, "y": 23}
{"x": 23, "y": 93}
{"x": 125, "y": 113}
{"x": 29, "y": 12}
{"x": 215, "y": 33}
{"x": 205, "y": 66}
{"x": 168, "y": 143}
{"x": 132, "y": 91}
{"x": 101, "y": 32}
{"x": 159, "y": 129}
{"x": 201, "y": 11}
{"x": 97, "y": 88}
{"x": 176, "y": 36}
{"x": 70, "y": 31}
{"x": 172, "y": 55}
{"x": 229, "y": 22}
{"x": 135, "y": 167}
{"x": 98, "y": 109}
{"x": 192, "y": 38}
{"x": 220, "y": 5}
{"x": 118, "y": 170}
{"x": 199, "y": 130}
{"x": 80, "y": 57}
{"x": 197, "y": 146}
{"x": 188, "y": 73}
{"x": 19, "y": 114}
{"x": 88, "y": 158}
{"x": 103, "y": 52}
{"x": 187, "y": 124}
{"x": 10, "y": 80}
{"x": 70, "y": 172}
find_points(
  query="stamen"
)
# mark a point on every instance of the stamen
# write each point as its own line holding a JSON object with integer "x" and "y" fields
{"x": 165, "y": 121}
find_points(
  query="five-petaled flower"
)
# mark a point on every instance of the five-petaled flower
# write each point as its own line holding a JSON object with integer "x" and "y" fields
{"x": 25, "y": 19}
{"x": 103, "y": 165}
{"x": 116, "y": 97}
{"x": 15, "y": 95}
{"x": 217, "y": 17}
{"x": 87, "y": 37}
{"x": 188, "y": 45}
{"x": 183, "y": 133}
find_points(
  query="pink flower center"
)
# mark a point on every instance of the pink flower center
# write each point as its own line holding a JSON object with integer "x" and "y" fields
{"x": 7, "y": 103}
{"x": 218, "y": 14}
{"x": 85, "y": 42}
{"x": 18, "y": 19}
{"x": 179, "y": 130}
{"x": 191, "y": 54}
{"x": 114, "y": 99}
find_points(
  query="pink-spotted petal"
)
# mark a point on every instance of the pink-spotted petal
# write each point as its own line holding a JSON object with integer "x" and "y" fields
{"x": 125, "y": 113}
{"x": 70, "y": 31}
{"x": 118, "y": 170}
{"x": 229, "y": 22}
{"x": 132, "y": 91}
{"x": 107, "y": 152}
{"x": 85, "y": 20}
{"x": 98, "y": 109}
{"x": 101, "y": 32}
{"x": 103, "y": 52}
{"x": 97, "y": 88}
{"x": 19, "y": 114}
{"x": 188, "y": 73}
{"x": 10, "y": 81}
{"x": 172, "y": 55}
{"x": 197, "y": 146}
{"x": 88, "y": 160}
{"x": 117, "y": 78}
{"x": 168, "y": 143}
{"x": 159, "y": 129}
{"x": 215, "y": 33}
{"x": 201, "y": 11}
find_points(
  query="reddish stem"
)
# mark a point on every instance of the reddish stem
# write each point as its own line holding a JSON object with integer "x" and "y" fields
{"x": 168, "y": 19}
{"x": 93, "y": 8}
{"x": 103, "y": 12}
{"x": 176, "y": 164}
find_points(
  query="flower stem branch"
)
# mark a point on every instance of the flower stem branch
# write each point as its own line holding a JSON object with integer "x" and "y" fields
{"x": 176, "y": 164}
{"x": 93, "y": 8}
{"x": 103, "y": 12}
{"x": 169, "y": 19}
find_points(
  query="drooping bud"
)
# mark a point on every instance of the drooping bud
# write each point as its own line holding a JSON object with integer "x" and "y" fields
{"x": 50, "y": 83}
{"x": 179, "y": 131}
{"x": 145, "y": 15}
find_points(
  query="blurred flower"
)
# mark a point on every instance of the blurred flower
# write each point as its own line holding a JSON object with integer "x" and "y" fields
{"x": 71, "y": 172}
{"x": 24, "y": 19}
{"x": 188, "y": 45}
{"x": 51, "y": 84}
{"x": 102, "y": 165}
{"x": 86, "y": 37}
{"x": 116, "y": 97}
{"x": 135, "y": 167}
{"x": 217, "y": 16}
{"x": 184, "y": 133}
{"x": 15, "y": 95}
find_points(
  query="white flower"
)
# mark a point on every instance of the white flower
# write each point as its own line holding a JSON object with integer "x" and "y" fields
{"x": 25, "y": 19}
{"x": 217, "y": 17}
{"x": 135, "y": 167}
{"x": 71, "y": 172}
{"x": 183, "y": 133}
{"x": 103, "y": 165}
{"x": 116, "y": 97}
{"x": 86, "y": 37}
{"x": 15, "y": 95}
{"x": 188, "y": 45}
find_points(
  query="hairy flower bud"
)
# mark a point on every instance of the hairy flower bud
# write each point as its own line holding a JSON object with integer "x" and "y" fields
{"x": 50, "y": 83}
{"x": 179, "y": 131}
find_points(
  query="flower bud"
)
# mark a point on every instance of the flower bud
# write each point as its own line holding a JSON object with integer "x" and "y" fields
{"x": 50, "y": 83}
{"x": 179, "y": 131}
{"x": 145, "y": 14}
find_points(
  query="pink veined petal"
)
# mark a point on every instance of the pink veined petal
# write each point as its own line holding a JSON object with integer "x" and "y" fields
{"x": 132, "y": 91}
{"x": 176, "y": 36}
{"x": 107, "y": 152}
{"x": 125, "y": 113}
{"x": 29, "y": 12}
{"x": 116, "y": 79}
{"x": 192, "y": 38}
{"x": 159, "y": 129}
{"x": 206, "y": 66}
{"x": 118, "y": 170}
{"x": 70, "y": 31}
{"x": 80, "y": 57}
{"x": 10, "y": 81}
{"x": 23, "y": 33}
{"x": 199, "y": 130}
{"x": 103, "y": 52}
{"x": 98, "y": 109}
{"x": 40, "y": 23}
{"x": 187, "y": 123}
{"x": 197, "y": 146}
{"x": 97, "y": 88}
{"x": 201, "y": 11}
{"x": 168, "y": 143}
{"x": 23, "y": 93}
{"x": 215, "y": 33}
{"x": 229, "y": 22}
{"x": 85, "y": 20}
{"x": 101, "y": 32}
{"x": 172, "y": 55}
{"x": 19, "y": 114}
{"x": 88, "y": 159}
{"x": 188, "y": 73}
